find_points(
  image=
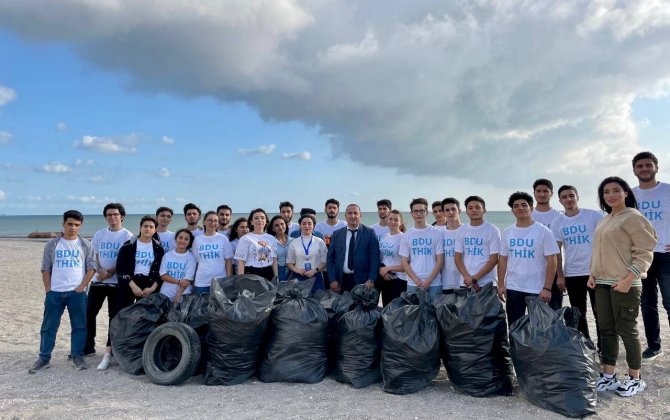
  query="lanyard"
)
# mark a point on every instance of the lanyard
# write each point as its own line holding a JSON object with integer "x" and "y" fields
{"x": 306, "y": 248}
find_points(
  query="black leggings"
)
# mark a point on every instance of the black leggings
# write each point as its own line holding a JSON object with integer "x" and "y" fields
{"x": 265, "y": 272}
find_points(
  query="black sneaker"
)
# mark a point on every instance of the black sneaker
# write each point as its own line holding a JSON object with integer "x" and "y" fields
{"x": 87, "y": 353}
{"x": 650, "y": 354}
{"x": 79, "y": 363}
{"x": 39, "y": 365}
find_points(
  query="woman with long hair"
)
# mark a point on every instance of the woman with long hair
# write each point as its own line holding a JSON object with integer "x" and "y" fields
{"x": 239, "y": 228}
{"x": 214, "y": 254}
{"x": 623, "y": 248}
{"x": 178, "y": 267}
{"x": 393, "y": 278}
{"x": 307, "y": 254}
{"x": 277, "y": 228}
{"x": 255, "y": 253}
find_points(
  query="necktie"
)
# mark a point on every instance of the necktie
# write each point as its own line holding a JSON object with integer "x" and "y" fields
{"x": 352, "y": 246}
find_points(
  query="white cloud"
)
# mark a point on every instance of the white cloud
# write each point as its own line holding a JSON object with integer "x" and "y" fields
{"x": 265, "y": 149}
{"x": 97, "y": 179}
{"x": 61, "y": 126}
{"x": 83, "y": 198}
{"x": 55, "y": 168}
{"x": 164, "y": 172}
{"x": 109, "y": 145}
{"x": 298, "y": 156}
{"x": 167, "y": 140}
{"x": 6, "y": 95}
{"x": 5, "y": 137}
{"x": 471, "y": 90}
{"x": 3, "y": 195}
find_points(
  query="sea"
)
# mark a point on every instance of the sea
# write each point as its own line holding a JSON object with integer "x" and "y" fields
{"x": 21, "y": 226}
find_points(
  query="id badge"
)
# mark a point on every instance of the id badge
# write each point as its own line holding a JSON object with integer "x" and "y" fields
{"x": 308, "y": 266}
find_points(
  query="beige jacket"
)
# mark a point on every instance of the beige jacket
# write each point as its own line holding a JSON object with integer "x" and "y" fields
{"x": 623, "y": 243}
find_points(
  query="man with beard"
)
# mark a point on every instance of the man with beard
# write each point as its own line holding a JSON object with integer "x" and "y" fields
{"x": 332, "y": 223}
{"x": 653, "y": 199}
{"x": 543, "y": 190}
{"x": 383, "y": 209}
{"x": 225, "y": 214}
{"x": 192, "y": 216}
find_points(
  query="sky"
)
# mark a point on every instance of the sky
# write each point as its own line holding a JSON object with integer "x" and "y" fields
{"x": 252, "y": 102}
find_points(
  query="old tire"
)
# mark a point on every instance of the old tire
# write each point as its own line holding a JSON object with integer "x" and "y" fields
{"x": 171, "y": 354}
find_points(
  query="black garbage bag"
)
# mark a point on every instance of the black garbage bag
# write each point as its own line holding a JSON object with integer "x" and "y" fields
{"x": 238, "y": 314}
{"x": 358, "y": 340}
{"x": 295, "y": 346}
{"x": 555, "y": 364}
{"x": 192, "y": 310}
{"x": 410, "y": 343}
{"x": 336, "y": 305}
{"x": 131, "y": 327}
{"x": 474, "y": 343}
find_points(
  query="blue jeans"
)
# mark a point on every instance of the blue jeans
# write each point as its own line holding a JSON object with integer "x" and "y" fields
{"x": 283, "y": 272}
{"x": 433, "y": 291}
{"x": 201, "y": 290}
{"x": 658, "y": 277}
{"x": 54, "y": 306}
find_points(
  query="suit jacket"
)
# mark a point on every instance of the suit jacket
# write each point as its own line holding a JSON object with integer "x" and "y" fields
{"x": 366, "y": 255}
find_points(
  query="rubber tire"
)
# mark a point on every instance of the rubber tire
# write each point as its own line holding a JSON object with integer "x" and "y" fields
{"x": 154, "y": 361}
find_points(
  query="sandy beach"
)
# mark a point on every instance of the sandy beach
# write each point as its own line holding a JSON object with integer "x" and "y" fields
{"x": 62, "y": 392}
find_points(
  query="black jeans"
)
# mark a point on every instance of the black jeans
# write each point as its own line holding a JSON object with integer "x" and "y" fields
{"x": 390, "y": 289}
{"x": 96, "y": 298}
{"x": 577, "y": 291}
{"x": 556, "y": 301}
{"x": 515, "y": 305}
{"x": 658, "y": 277}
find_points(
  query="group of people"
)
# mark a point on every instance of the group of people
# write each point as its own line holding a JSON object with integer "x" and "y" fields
{"x": 618, "y": 257}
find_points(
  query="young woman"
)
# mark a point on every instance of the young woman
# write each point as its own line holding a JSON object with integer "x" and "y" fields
{"x": 213, "y": 253}
{"x": 239, "y": 229}
{"x": 178, "y": 267}
{"x": 393, "y": 277}
{"x": 278, "y": 229}
{"x": 255, "y": 253}
{"x": 623, "y": 246}
{"x": 307, "y": 254}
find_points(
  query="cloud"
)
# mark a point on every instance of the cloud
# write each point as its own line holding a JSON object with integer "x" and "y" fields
{"x": 470, "y": 90}
{"x": 167, "y": 140}
{"x": 109, "y": 145}
{"x": 6, "y": 95}
{"x": 5, "y": 137}
{"x": 298, "y": 156}
{"x": 55, "y": 168}
{"x": 265, "y": 149}
{"x": 84, "y": 198}
{"x": 164, "y": 172}
{"x": 61, "y": 126}
{"x": 3, "y": 195}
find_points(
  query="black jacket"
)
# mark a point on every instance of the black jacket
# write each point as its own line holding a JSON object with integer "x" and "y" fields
{"x": 125, "y": 263}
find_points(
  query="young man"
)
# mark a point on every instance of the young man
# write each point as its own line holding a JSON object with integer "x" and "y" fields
{"x": 164, "y": 218}
{"x": 573, "y": 231}
{"x": 477, "y": 246}
{"x": 451, "y": 277}
{"x": 383, "y": 209}
{"x": 106, "y": 244}
{"x": 286, "y": 212}
{"x": 440, "y": 220}
{"x": 331, "y": 224}
{"x": 225, "y": 214}
{"x": 543, "y": 190}
{"x": 527, "y": 263}
{"x": 353, "y": 256}
{"x": 422, "y": 252}
{"x": 653, "y": 200}
{"x": 192, "y": 216}
{"x": 68, "y": 264}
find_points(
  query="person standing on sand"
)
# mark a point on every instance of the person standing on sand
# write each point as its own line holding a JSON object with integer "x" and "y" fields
{"x": 192, "y": 216}
{"x": 68, "y": 265}
{"x": 164, "y": 218}
{"x": 383, "y": 210}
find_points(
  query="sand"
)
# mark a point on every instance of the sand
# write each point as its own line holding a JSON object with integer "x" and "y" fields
{"x": 63, "y": 392}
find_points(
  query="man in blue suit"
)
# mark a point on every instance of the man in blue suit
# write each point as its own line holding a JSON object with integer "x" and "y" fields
{"x": 353, "y": 256}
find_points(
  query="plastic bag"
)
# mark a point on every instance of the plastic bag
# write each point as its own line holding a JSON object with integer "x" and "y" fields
{"x": 335, "y": 305}
{"x": 131, "y": 327}
{"x": 358, "y": 340}
{"x": 238, "y": 314}
{"x": 410, "y": 343}
{"x": 475, "y": 347}
{"x": 555, "y": 364}
{"x": 192, "y": 310}
{"x": 295, "y": 348}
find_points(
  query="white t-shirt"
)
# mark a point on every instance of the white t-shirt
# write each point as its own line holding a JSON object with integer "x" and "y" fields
{"x": 576, "y": 233}
{"x": 211, "y": 253}
{"x": 654, "y": 203}
{"x": 451, "y": 278}
{"x": 144, "y": 257}
{"x": 167, "y": 241}
{"x": 256, "y": 250}
{"x": 106, "y": 244}
{"x": 545, "y": 217}
{"x": 292, "y": 227}
{"x": 68, "y": 266}
{"x": 380, "y": 230}
{"x": 440, "y": 227}
{"x": 422, "y": 246}
{"x": 526, "y": 249}
{"x": 327, "y": 230}
{"x": 179, "y": 266}
{"x": 318, "y": 253}
{"x": 477, "y": 244}
{"x": 197, "y": 232}
{"x": 389, "y": 248}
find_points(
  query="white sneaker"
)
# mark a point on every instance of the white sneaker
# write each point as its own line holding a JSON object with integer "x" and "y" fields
{"x": 630, "y": 386}
{"x": 607, "y": 384}
{"x": 106, "y": 361}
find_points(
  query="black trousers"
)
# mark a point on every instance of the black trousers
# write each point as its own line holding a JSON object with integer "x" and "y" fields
{"x": 556, "y": 301}
{"x": 577, "y": 292}
{"x": 390, "y": 289}
{"x": 96, "y": 298}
